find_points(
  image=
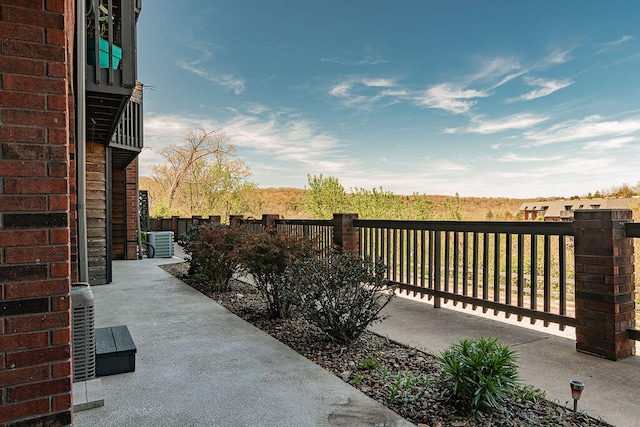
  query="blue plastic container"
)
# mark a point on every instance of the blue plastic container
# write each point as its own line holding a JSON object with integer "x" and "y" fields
{"x": 104, "y": 53}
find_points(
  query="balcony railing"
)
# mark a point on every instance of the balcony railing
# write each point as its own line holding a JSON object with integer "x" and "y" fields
{"x": 127, "y": 140}
{"x": 111, "y": 68}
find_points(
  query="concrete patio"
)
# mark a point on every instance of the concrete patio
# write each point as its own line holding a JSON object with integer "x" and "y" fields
{"x": 200, "y": 365}
{"x": 197, "y": 364}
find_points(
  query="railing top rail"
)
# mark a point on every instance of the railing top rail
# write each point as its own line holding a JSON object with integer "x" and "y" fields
{"x": 632, "y": 229}
{"x": 320, "y": 222}
{"x": 516, "y": 227}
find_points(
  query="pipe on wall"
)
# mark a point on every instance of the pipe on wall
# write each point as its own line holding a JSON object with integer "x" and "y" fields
{"x": 81, "y": 141}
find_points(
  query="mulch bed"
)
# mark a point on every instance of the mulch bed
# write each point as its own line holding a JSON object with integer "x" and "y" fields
{"x": 385, "y": 370}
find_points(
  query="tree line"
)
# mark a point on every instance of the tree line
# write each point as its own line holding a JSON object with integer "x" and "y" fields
{"x": 202, "y": 175}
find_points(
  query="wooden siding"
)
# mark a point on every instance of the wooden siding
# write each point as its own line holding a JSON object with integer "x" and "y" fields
{"x": 118, "y": 238}
{"x": 96, "y": 213}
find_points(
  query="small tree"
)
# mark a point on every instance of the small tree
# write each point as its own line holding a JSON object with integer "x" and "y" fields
{"x": 341, "y": 295}
{"x": 266, "y": 257}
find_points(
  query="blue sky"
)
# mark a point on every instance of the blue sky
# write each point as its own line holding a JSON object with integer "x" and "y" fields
{"x": 483, "y": 98}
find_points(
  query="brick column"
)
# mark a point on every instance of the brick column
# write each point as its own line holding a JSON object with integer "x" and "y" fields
{"x": 269, "y": 223}
{"x": 604, "y": 283}
{"x": 174, "y": 225}
{"x": 235, "y": 219}
{"x": 346, "y": 237}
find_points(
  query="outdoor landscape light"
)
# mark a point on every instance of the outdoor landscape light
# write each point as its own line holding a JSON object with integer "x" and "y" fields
{"x": 576, "y": 391}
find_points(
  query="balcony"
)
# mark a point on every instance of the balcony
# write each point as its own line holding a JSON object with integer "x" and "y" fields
{"x": 127, "y": 142}
{"x": 111, "y": 68}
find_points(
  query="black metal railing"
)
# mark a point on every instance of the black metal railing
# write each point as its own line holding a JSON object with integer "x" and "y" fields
{"x": 127, "y": 139}
{"x": 517, "y": 268}
{"x": 320, "y": 231}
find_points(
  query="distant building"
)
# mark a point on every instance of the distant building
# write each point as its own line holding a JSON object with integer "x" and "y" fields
{"x": 562, "y": 210}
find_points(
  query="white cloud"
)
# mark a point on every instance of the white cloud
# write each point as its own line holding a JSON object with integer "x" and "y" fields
{"x": 609, "y": 144}
{"x": 546, "y": 87}
{"x": 449, "y": 97}
{"x": 591, "y": 127}
{"x": 363, "y": 92}
{"x": 513, "y": 122}
{"x": 196, "y": 66}
{"x": 608, "y": 46}
{"x": 559, "y": 56}
{"x": 496, "y": 68}
{"x": 512, "y": 157}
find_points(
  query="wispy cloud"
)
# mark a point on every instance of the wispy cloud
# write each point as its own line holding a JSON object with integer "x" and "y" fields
{"x": 363, "y": 92}
{"x": 280, "y": 135}
{"x": 608, "y": 46}
{"x": 197, "y": 67}
{"x": 449, "y": 97}
{"x": 588, "y": 128}
{"x": 545, "y": 88}
{"x": 513, "y": 122}
{"x": 609, "y": 144}
{"x": 559, "y": 56}
{"x": 495, "y": 68}
{"x": 512, "y": 157}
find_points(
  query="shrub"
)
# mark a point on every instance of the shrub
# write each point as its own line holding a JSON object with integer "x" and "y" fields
{"x": 214, "y": 252}
{"x": 266, "y": 257}
{"x": 341, "y": 295}
{"x": 481, "y": 372}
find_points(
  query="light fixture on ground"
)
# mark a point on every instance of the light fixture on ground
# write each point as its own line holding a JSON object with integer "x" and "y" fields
{"x": 576, "y": 391}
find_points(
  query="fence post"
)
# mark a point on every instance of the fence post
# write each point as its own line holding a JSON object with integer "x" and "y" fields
{"x": 269, "y": 223}
{"x": 346, "y": 237}
{"x": 605, "y": 307}
{"x": 214, "y": 220}
{"x": 235, "y": 219}
{"x": 174, "y": 226}
{"x": 159, "y": 224}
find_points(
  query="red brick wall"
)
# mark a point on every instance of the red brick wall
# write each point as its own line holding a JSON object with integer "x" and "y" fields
{"x": 131, "y": 210}
{"x": 604, "y": 264}
{"x": 35, "y": 267}
{"x": 346, "y": 237}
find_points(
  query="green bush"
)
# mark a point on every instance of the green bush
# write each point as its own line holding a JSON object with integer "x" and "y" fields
{"x": 214, "y": 252}
{"x": 266, "y": 257}
{"x": 339, "y": 294}
{"x": 481, "y": 372}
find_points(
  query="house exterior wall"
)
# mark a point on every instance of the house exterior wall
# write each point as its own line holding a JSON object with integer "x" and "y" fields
{"x": 97, "y": 213}
{"x": 36, "y": 256}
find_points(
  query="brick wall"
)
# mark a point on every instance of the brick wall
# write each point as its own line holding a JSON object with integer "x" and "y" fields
{"x": 346, "y": 237}
{"x": 35, "y": 266}
{"x": 604, "y": 263}
{"x": 131, "y": 210}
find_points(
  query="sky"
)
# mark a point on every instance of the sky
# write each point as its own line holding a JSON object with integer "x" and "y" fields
{"x": 481, "y": 98}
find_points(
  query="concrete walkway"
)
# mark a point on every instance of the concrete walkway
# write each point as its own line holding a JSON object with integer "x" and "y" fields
{"x": 199, "y": 365}
{"x": 547, "y": 357}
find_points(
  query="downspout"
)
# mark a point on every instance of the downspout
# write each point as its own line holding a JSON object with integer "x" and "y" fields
{"x": 81, "y": 141}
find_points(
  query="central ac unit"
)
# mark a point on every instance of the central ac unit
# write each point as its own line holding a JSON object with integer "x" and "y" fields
{"x": 162, "y": 242}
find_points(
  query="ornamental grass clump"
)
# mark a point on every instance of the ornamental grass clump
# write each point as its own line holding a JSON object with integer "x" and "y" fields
{"x": 340, "y": 295}
{"x": 481, "y": 372}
